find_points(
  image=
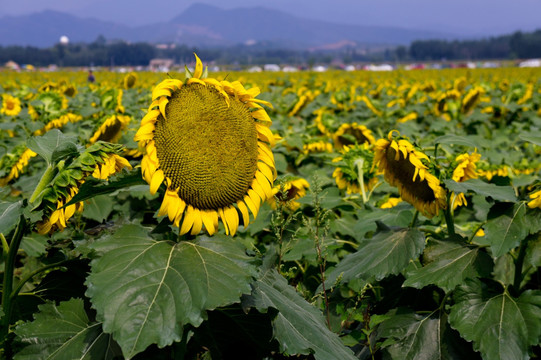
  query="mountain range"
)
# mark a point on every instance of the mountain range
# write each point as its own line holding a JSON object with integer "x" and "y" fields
{"x": 206, "y": 25}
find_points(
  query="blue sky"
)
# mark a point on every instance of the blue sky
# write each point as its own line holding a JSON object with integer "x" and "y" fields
{"x": 461, "y": 17}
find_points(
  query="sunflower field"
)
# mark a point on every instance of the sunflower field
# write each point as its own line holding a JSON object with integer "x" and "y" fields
{"x": 328, "y": 216}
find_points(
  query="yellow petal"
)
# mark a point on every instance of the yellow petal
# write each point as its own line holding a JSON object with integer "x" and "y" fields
{"x": 264, "y": 183}
{"x": 224, "y": 220}
{"x": 197, "y": 223}
{"x": 244, "y": 211}
{"x": 198, "y": 67}
{"x": 157, "y": 180}
{"x": 253, "y": 208}
{"x": 162, "y": 103}
{"x": 208, "y": 221}
{"x": 261, "y": 115}
{"x": 266, "y": 170}
{"x": 232, "y": 217}
{"x": 160, "y": 91}
{"x": 264, "y": 133}
{"x": 188, "y": 220}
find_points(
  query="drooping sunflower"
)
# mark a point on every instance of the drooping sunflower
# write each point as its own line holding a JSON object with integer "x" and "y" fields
{"x": 58, "y": 123}
{"x": 391, "y": 202}
{"x": 286, "y": 193}
{"x": 350, "y": 134}
{"x": 209, "y": 142}
{"x": 402, "y": 166}
{"x": 100, "y": 161}
{"x": 465, "y": 170}
{"x": 110, "y": 129}
{"x": 13, "y": 164}
{"x": 11, "y": 106}
{"x": 354, "y": 170}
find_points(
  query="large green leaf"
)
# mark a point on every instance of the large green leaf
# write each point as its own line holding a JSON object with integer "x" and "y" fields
{"x": 453, "y": 262}
{"x": 500, "y": 326}
{"x": 506, "y": 231}
{"x": 145, "y": 290}
{"x": 53, "y": 146}
{"x": 386, "y": 253}
{"x": 500, "y": 193}
{"x": 299, "y": 327}
{"x": 64, "y": 332}
{"x": 415, "y": 336}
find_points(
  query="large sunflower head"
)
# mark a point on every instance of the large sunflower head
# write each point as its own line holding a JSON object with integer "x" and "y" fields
{"x": 350, "y": 134}
{"x": 209, "y": 142}
{"x": 405, "y": 167}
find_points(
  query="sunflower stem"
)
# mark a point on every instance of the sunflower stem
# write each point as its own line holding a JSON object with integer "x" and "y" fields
{"x": 449, "y": 217}
{"x": 414, "y": 220}
{"x": 28, "y": 277}
{"x": 45, "y": 181}
{"x": 519, "y": 263}
{"x": 359, "y": 163}
{"x": 8, "y": 283}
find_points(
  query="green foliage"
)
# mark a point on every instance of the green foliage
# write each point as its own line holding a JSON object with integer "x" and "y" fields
{"x": 299, "y": 327}
{"x": 64, "y": 332}
{"x": 146, "y": 292}
{"x": 500, "y": 325}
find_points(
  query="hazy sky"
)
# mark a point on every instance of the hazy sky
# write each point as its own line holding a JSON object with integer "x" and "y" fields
{"x": 463, "y": 17}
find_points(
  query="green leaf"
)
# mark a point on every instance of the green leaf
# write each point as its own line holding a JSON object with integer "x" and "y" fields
{"x": 415, "y": 336}
{"x": 34, "y": 245}
{"x": 387, "y": 253}
{"x": 531, "y": 138}
{"x": 453, "y": 262}
{"x": 455, "y": 140}
{"x": 53, "y": 146}
{"x": 93, "y": 187}
{"x": 64, "y": 332}
{"x": 9, "y": 216}
{"x": 500, "y": 326}
{"x": 299, "y": 327}
{"x": 98, "y": 208}
{"x": 506, "y": 231}
{"x": 500, "y": 193}
{"x": 145, "y": 290}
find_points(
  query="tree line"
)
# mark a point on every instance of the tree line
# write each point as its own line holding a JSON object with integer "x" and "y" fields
{"x": 103, "y": 53}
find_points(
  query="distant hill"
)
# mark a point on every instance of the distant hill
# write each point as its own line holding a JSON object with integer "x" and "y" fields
{"x": 205, "y": 25}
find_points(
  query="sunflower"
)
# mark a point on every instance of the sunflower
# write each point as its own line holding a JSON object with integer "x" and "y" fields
{"x": 354, "y": 170}
{"x": 209, "y": 142}
{"x": 105, "y": 162}
{"x": 402, "y": 166}
{"x": 15, "y": 163}
{"x": 58, "y": 123}
{"x": 287, "y": 193}
{"x": 129, "y": 80}
{"x": 349, "y": 134}
{"x": 465, "y": 170}
{"x": 11, "y": 106}
{"x": 318, "y": 146}
{"x": 111, "y": 129}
